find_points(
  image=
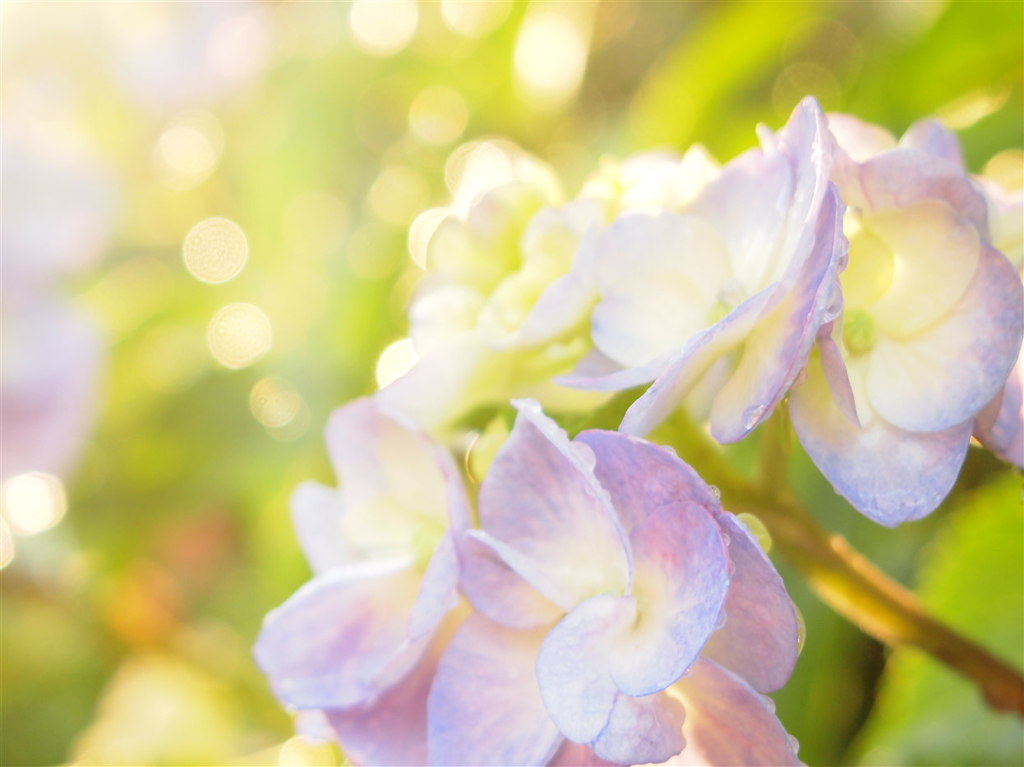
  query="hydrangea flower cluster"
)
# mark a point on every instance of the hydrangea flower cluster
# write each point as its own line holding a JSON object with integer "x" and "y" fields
{"x": 585, "y": 599}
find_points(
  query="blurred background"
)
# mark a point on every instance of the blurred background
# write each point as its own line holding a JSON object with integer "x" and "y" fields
{"x": 207, "y": 247}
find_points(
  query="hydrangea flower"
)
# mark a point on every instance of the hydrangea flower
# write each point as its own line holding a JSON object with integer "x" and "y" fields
{"x": 718, "y": 302}
{"x": 360, "y": 641}
{"x": 622, "y": 616}
{"x": 501, "y": 309}
{"x": 931, "y": 325}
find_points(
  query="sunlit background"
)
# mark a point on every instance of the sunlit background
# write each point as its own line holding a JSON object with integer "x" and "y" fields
{"x": 213, "y": 216}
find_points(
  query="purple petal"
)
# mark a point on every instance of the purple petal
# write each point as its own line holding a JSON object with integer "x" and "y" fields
{"x": 391, "y": 730}
{"x": 947, "y": 373}
{"x": 936, "y": 139}
{"x": 499, "y": 592}
{"x": 316, "y": 515}
{"x": 540, "y": 503}
{"x": 760, "y": 638}
{"x": 681, "y": 578}
{"x": 1000, "y": 426}
{"x": 640, "y": 476}
{"x": 572, "y": 668}
{"x": 485, "y": 707}
{"x": 778, "y": 346}
{"x": 438, "y": 592}
{"x": 890, "y": 475}
{"x": 343, "y": 637}
{"x": 729, "y": 723}
{"x": 642, "y": 730}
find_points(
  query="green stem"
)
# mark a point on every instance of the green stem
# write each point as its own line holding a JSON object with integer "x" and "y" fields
{"x": 842, "y": 577}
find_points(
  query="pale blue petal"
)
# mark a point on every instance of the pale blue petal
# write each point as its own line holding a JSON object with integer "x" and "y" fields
{"x": 642, "y": 730}
{"x": 1000, "y": 426}
{"x": 728, "y": 723}
{"x": 760, "y": 638}
{"x": 936, "y": 139}
{"x": 572, "y": 668}
{"x": 888, "y": 474}
{"x": 343, "y": 637}
{"x": 485, "y": 707}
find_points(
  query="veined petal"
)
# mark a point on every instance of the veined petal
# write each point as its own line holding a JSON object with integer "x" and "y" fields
{"x": 505, "y": 585}
{"x": 485, "y": 707}
{"x": 641, "y": 477}
{"x": 728, "y": 722}
{"x": 944, "y": 375}
{"x": 760, "y": 638}
{"x": 648, "y": 729}
{"x": 542, "y": 503}
{"x": 316, "y": 515}
{"x": 391, "y": 730}
{"x": 888, "y": 474}
{"x": 343, "y": 637}
{"x": 572, "y": 667}
{"x": 680, "y": 582}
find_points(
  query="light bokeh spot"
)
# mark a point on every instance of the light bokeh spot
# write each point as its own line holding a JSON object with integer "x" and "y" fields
{"x": 33, "y": 502}
{"x": 6, "y": 544}
{"x": 383, "y": 27}
{"x": 188, "y": 150}
{"x": 215, "y": 250}
{"x": 398, "y": 194}
{"x": 438, "y": 115}
{"x": 238, "y": 335}
{"x": 550, "y": 55}
{"x": 395, "y": 361}
{"x": 420, "y": 232}
{"x": 473, "y": 18}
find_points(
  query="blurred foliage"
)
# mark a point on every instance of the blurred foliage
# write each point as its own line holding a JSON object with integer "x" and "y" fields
{"x": 126, "y": 629}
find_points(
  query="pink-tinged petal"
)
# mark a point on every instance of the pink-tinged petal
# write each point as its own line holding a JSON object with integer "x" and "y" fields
{"x": 680, "y": 582}
{"x": 572, "y": 668}
{"x": 547, "y": 515}
{"x": 577, "y": 755}
{"x": 391, "y": 730}
{"x": 779, "y": 344}
{"x": 498, "y": 591}
{"x": 728, "y": 723}
{"x": 485, "y": 707}
{"x": 760, "y": 638}
{"x": 640, "y": 476}
{"x": 890, "y": 475}
{"x": 944, "y": 375}
{"x": 343, "y": 637}
{"x": 316, "y": 515}
{"x": 640, "y": 730}
{"x": 692, "y": 362}
{"x": 1000, "y": 426}
{"x": 836, "y": 374}
{"x": 936, "y": 139}
{"x": 903, "y": 177}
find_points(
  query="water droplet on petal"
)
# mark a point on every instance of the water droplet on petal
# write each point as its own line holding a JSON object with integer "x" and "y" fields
{"x": 768, "y": 703}
{"x": 801, "y": 630}
{"x": 716, "y": 492}
{"x": 793, "y": 743}
{"x": 752, "y": 415}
